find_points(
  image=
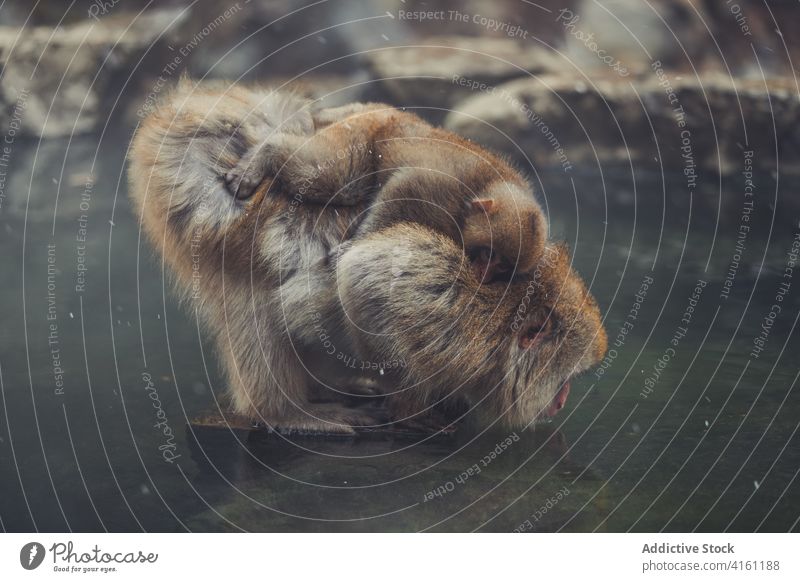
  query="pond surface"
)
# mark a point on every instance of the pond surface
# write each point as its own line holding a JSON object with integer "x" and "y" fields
{"x": 686, "y": 425}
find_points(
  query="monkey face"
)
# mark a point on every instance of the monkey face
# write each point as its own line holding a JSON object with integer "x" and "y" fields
{"x": 504, "y": 232}
{"x": 556, "y": 333}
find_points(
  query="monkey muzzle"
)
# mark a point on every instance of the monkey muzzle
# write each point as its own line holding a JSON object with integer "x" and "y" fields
{"x": 558, "y": 402}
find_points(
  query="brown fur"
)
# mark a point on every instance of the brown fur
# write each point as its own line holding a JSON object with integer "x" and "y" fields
{"x": 279, "y": 281}
{"x": 410, "y": 171}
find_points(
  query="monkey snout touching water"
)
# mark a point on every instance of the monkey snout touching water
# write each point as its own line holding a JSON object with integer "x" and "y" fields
{"x": 327, "y": 261}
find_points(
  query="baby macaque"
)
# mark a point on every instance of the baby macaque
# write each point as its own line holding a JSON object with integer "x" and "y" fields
{"x": 408, "y": 171}
{"x": 301, "y": 309}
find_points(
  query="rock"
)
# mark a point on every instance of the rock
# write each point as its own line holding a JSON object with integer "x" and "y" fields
{"x": 60, "y": 81}
{"x": 625, "y": 36}
{"x": 423, "y": 74}
{"x": 680, "y": 121}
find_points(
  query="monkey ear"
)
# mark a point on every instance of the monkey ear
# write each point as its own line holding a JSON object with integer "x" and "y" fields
{"x": 484, "y": 204}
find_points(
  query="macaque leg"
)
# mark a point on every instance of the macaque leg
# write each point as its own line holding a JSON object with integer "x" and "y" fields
{"x": 407, "y": 197}
{"x": 271, "y": 386}
{"x": 333, "y": 165}
{"x": 403, "y": 292}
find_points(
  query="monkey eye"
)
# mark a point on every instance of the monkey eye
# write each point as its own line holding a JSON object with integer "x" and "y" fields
{"x": 489, "y": 266}
{"x": 537, "y": 331}
{"x": 503, "y": 268}
{"x": 481, "y": 254}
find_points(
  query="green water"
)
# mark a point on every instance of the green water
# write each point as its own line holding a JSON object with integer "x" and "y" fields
{"x": 707, "y": 442}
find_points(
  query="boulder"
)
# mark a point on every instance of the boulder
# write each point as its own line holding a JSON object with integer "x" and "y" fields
{"x": 680, "y": 122}
{"x": 63, "y": 80}
{"x": 429, "y": 72}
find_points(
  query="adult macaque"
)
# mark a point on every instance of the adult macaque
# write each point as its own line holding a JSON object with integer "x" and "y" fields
{"x": 292, "y": 296}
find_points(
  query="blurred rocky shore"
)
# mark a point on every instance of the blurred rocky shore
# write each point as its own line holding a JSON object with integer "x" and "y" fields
{"x": 691, "y": 86}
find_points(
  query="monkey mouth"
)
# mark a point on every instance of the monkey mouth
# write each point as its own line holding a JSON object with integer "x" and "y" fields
{"x": 558, "y": 402}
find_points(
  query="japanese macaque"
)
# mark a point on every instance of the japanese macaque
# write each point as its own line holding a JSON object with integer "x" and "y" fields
{"x": 410, "y": 172}
{"x": 304, "y": 312}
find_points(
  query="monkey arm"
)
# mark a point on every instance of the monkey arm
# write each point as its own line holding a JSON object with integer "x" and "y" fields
{"x": 408, "y": 294}
{"x": 331, "y": 115}
{"x": 421, "y": 196}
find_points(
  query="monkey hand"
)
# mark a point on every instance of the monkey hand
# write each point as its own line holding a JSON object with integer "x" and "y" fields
{"x": 243, "y": 179}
